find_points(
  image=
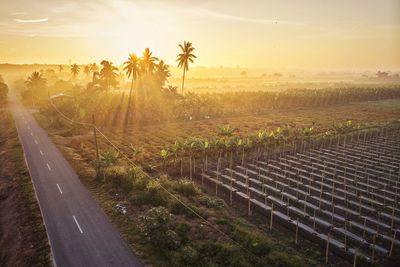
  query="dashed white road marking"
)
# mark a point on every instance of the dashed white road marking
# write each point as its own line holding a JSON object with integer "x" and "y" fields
{"x": 41, "y": 152}
{"x": 48, "y": 166}
{"x": 77, "y": 224}
{"x": 59, "y": 189}
{"x": 36, "y": 142}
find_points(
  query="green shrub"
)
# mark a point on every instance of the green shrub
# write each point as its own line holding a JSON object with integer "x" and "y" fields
{"x": 282, "y": 259}
{"x": 209, "y": 202}
{"x": 158, "y": 227}
{"x": 213, "y": 253}
{"x": 152, "y": 194}
{"x": 186, "y": 187}
{"x": 178, "y": 208}
{"x": 138, "y": 178}
{"x": 118, "y": 176}
{"x": 255, "y": 243}
{"x": 186, "y": 256}
{"x": 156, "y": 194}
{"x": 183, "y": 229}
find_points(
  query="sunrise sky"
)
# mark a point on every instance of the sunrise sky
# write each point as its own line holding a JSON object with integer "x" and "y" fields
{"x": 307, "y": 34}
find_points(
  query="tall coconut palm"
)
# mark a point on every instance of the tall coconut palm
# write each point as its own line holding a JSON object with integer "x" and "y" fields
{"x": 184, "y": 58}
{"x": 148, "y": 61}
{"x": 162, "y": 72}
{"x": 94, "y": 68}
{"x": 35, "y": 82}
{"x": 86, "y": 70}
{"x": 131, "y": 69}
{"x": 75, "y": 70}
{"x": 108, "y": 74}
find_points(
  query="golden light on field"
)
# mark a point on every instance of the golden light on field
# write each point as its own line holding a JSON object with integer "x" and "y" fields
{"x": 273, "y": 34}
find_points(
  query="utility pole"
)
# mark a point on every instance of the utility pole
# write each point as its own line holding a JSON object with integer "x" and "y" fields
{"x": 95, "y": 138}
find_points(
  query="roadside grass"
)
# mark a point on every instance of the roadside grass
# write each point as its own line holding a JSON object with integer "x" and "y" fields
{"x": 23, "y": 236}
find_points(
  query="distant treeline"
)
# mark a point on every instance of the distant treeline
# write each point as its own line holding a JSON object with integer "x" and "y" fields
{"x": 110, "y": 108}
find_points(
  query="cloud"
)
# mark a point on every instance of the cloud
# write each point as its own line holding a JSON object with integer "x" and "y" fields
{"x": 246, "y": 19}
{"x": 31, "y": 20}
{"x": 19, "y": 13}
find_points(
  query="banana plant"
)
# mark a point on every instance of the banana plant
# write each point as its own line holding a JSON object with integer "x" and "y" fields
{"x": 165, "y": 154}
{"x": 226, "y": 131}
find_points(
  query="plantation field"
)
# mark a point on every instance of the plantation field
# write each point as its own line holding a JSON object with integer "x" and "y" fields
{"x": 149, "y": 140}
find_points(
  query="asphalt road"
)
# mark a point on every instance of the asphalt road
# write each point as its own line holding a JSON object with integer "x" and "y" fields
{"x": 79, "y": 232}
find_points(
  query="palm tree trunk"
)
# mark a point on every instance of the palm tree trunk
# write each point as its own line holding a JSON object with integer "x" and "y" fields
{"x": 128, "y": 115}
{"x": 183, "y": 79}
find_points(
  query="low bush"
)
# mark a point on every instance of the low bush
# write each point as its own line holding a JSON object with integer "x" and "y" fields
{"x": 158, "y": 227}
{"x": 186, "y": 187}
{"x": 282, "y": 259}
{"x": 211, "y": 202}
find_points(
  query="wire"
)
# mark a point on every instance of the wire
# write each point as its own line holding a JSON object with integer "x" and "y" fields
{"x": 150, "y": 177}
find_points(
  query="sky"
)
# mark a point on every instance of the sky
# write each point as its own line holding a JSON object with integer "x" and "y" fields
{"x": 277, "y": 34}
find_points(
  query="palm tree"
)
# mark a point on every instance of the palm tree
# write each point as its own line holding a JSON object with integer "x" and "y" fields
{"x": 75, "y": 70}
{"x": 108, "y": 74}
{"x": 148, "y": 61}
{"x": 86, "y": 70}
{"x": 184, "y": 58}
{"x": 35, "y": 82}
{"x": 162, "y": 72}
{"x": 131, "y": 69}
{"x": 94, "y": 68}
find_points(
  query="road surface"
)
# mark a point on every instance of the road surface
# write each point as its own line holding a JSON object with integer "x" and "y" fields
{"x": 79, "y": 232}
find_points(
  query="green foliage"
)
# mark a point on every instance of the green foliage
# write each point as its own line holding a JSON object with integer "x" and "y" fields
{"x": 226, "y": 130}
{"x": 119, "y": 177}
{"x": 186, "y": 187}
{"x": 211, "y": 202}
{"x": 152, "y": 194}
{"x": 282, "y": 259}
{"x": 213, "y": 253}
{"x": 189, "y": 210}
{"x": 158, "y": 227}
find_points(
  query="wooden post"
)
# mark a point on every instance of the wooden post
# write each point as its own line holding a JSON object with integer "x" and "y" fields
{"x": 297, "y": 230}
{"x": 249, "y": 209}
{"x": 202, "y": 177}
{"x": 355, "y": 257}
{"x": 392, "y": 245}
{"x": 345, "y": 236}
{"x": 272, "y": 215}
{"x": 216, "y": 183}
{"x": 373, "y": 248}
{"x": 95, "y": 137}
{"x": 314, "y": 221}
{"x": 327, "y": 249}
{"x": 365, "y": 221}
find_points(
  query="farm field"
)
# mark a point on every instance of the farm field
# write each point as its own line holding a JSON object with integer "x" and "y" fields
{"x": 151, "y": 139}
{"x": 80, "y": 150}
{"x": 343, "y": 195}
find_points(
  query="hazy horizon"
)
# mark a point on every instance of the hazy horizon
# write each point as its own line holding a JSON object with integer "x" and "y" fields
{"x": 311, "y": 35}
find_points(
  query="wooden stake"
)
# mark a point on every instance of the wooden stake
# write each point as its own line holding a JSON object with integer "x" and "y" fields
{"x": 327, "y": 249}
{"x": 392, "y": 245}
{"x": 355, "y": 257}
{"x": 297, "y": 230}
{"x": 272, "y": 215}
{"x": 95, "y": 137}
